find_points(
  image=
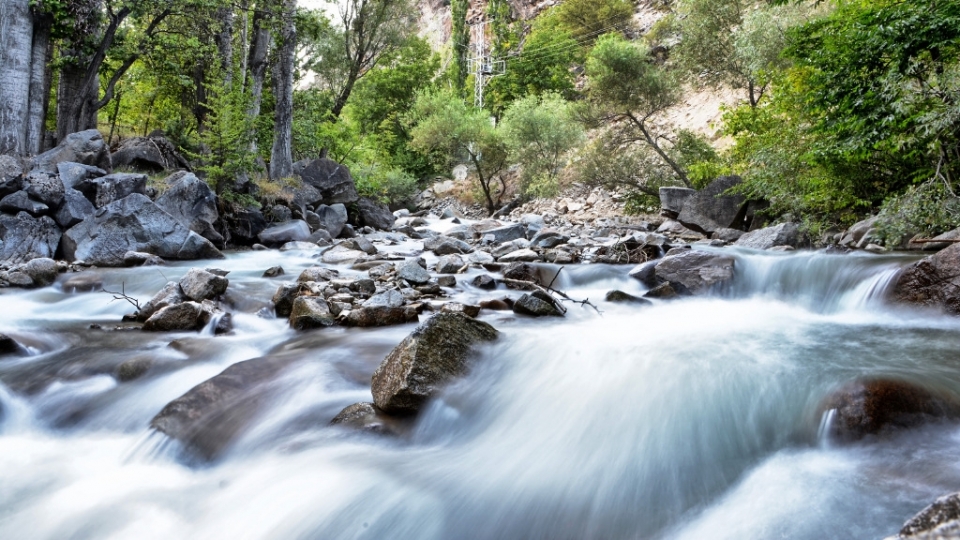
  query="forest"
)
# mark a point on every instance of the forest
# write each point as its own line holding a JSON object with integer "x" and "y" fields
{"x": 846, "y": 107}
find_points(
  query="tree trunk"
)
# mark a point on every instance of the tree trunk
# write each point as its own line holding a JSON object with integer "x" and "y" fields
{"x": 16, "y": 41}
{"x": 76, "y": 104}
{"x": 258, "y": 66}
{"x": 281, "y": 157}
{"x": 344, "y": 95}
{"x": 39, "y": 84}
{"x": 224, "y": 39}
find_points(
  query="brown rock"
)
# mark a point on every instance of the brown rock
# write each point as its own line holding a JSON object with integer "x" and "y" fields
{"x": 381, "y": 316}
{"x": 931, "y": 282}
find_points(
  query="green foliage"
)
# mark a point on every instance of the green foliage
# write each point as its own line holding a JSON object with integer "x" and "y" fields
{"x": 389, "y": 186}
{"x": 586, "y": 20}
{"x": 460, "y": 37}
{"x": 696, "y": 156}
{"x": 539, "y": 132}
{"x": 226, "y": 140}
{"x": 929, "y": 209}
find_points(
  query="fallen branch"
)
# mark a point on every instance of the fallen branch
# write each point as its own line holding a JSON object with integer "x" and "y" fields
{"x": 122, "y": 295}
{"x": 549, "y": 291}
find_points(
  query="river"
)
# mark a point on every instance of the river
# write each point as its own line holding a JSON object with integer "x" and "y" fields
{"x": 689, "y": 419}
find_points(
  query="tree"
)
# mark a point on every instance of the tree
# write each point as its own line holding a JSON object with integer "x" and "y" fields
{"x": 461, "y": 42}
{"x": 589, "y": 19}
{"x": 628, "y": 89}
{"x": 539, "y": 132}
{"x": 16, "y": 48}
{"x": 281, "y": 156}
{"x": 441, "y": 122}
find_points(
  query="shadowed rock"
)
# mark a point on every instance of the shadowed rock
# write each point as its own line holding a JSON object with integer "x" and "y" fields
{"x": 931, "y": 282}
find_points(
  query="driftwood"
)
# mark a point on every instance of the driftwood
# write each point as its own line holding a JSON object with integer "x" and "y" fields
{"x": 122, "y": 295}
{"x": 550, "y": 291}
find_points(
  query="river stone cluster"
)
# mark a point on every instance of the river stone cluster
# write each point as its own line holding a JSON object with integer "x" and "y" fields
{"x": 188, "y": 305}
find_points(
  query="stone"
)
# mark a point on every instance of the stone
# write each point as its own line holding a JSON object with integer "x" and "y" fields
{"x": 447, "y": 281}
{"x": 291, "y": 231}
{"x": 139, "y": 258}
{"x": 360, "y": 244}
{"x": 855, "y": 234}
{"x": 371, "y": 213}
{"x": 200, "y": 285}
{"x": 480, "y": 257}
{"x": 347, "y": 232}
{"x": 672, "y": 200}
{"x": 622, "y": 297}
{"x": 74, "y": 174}
{"x": 549, "y": 238}
{"x": 727, "y": 235}
{"x": 11, "y": 174}
{"x": 44, "y": 187}
{"x": 677, "y": 229}
{"x": 484, "y": 282}
{"x": 75, "y": 208}
{"x": 133, "y": 223}
{"x": 932, "y": 282}
{"x": 431, "y": 356}
{"x": 273, "y": 271}
{"x": 521, "y": 271}
{"x": 114, "y": 187}
{"x": 151, "y": 154}
{"x": 191, "y": 202}
{"x": 412, "y": 272}
{"x": 310, "y": 312}
{"x": 299, "y": 246}
{"x": 22, "y": 202}
{"x": 42, "y": 271}
{"x": 664, "y": 291}
{"x": 506, "y": 233}
{"x": 332, "y": 181}
{"x": 368, "y": 418}
{"x": 695, "y": 271}
{"x": 497, "y": 305}
{"x": 184, "y": 316}
{"x": 869, "y": 407}
{"x": 449, "y": 264}
{"x": 707, "y": 210}
{"x": 456, "y": 307}
{"x": 8, "y": 345}
{"x": 169, "y": 295}
{"x": 26, "y": 238}
{"x": 537, "y": 304}
{"x": 331, "y": 218}
{"x": 366, "y": 317}
{"x": 82, "y": 282}
{"x": 317, "y": 273}
{"x": 445, "y": 245}
{"x": 646, "y": 273}
{"x": 85, "y": 147}
{"x": 341, "y": 254}
{"x": 133, "y": 369}
{"x": 784, "y": 234}
{"x": 389, "y": 298}
{"x": 283, "y": 299}
{"x": 279, "y": 213}
{"x": 525, "y": 255}
{"x": 938, "y": 521}
{"x": 210, "y": 415}
{"x": 243, "y": 227}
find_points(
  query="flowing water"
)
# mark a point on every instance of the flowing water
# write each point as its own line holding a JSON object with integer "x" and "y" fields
{"x": 691, "y": 419}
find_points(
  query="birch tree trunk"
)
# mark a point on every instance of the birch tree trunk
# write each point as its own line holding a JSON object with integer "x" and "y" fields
{"x": 16, "y": 44}
{"x": 224, "y": 39}
{"x": 281, "y": 157}
{"x": 39, "y": 84}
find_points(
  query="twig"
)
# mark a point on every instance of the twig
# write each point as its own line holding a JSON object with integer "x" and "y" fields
{"x": 551, "y": 291}
{"x": 554, "y": 277}
{"x": 122, "y": 295}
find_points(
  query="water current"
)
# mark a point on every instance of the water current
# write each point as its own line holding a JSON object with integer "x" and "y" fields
{"x": 689, "y": 419}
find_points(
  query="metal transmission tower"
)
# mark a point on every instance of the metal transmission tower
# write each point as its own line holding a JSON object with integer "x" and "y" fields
{"x": 481, "y": 63}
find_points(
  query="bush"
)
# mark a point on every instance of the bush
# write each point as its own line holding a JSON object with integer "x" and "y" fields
{"x": 387, "y": 185}
{"x": 928, "y": 209}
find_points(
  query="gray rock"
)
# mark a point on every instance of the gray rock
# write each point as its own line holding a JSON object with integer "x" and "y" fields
{"x": 42, "y": 271}
{"x": 75, "y": 208}
{"x": 331, "y": 179}
{"x": 537, "y": 304}
{"x": 320, "y": 237}
{"x": 133, "y": 369}
{"x": 412, "y": 272}
{"x": 273, "y": 271}
{"x": 291, "y": 231}
{"x": 390, "y": 298}
{"x": 449, "y": 264}
{"x": 26, "y": 238}
{"x": 191, "y": 202}
{"x": 672, "y": 200}
{"x": 506, "y": 233}
{"x": 86, "y": 147}
{"x": 347, "y": 232}
{"x": 622, "y": 297}
{"x": 445, "y": 245}
{"x": 695, "y": 271}
{"x": 299, "y": 246}
{"x": 139, "y": 258}
{"x": 243, "y": 227}
{"x": 317, "y": 273}
{"x": 22, "y": 202}
{"x": 283, "y": 299}
{"x": 44, "y": 187}
{"x": 169, "y": 295}
{"x": 341, "y": 255}
{"x": 82, "y": 282}
{"x": 374, "y": 214}
{"x": 8, "y": 345}
{"x": 367, "y": 417}
{"x": 201, "y": 285}
{"x": 549, "y": 238}
{"x": 185, "y": 316}
{"x": 133, "y": 223}
{"x": 434, "y": 354}
{"x": 148, "y": 154}
{"x": 523, "y": 255}
{"x": 310, "y": 312}
{"x": 857, "y": 231}
{"x": 360, "y": 244}
{"x": 938, "y": 521}
{"x": 11, "y": 174}
{"x": 446, "y": 281}
{"x": 784, "y": 234}
{"x": 74, "y": 174}
{"x": 708, "y": 210}
{"x": 646, "y": 273}
{"x": 460, "y": 232}
{"x": 331, "y": 218}
{"x": 114, "y": 187}
{"x": 727, "y": 235}
{"x": 484, "y": 282}
{"x": 365, "y": 317}
{"x": 664, "y": 291}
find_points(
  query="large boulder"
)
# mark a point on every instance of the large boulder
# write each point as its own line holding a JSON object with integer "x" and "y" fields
{"x": 22, "y": 202}
{"x": 44, "y": 187}
{"x": 371, "y": 213}
{"x": 133, "y": 223}
{"x": 185, "y": 316}
{"x": 113, "y": 187}
{"x": 695, "y": 271}
{"x": 86, "y": 147}
{"x": 75, "y": 208}
{"x": 202, "y": 285}
{"x": 331, "y": 179}
{"x": 77, "y": 174}
{"x": 244, "y": 226}
{"x": 210, "y": 415}
{"x": 191, "y": 202}
{"x": 933, "y": 282}
{"x": 171, "y": 294}
{"x": 11, "y": 174}
{"x": 151, "y": 154}
{"x": 26, "y": 237}
{"x": 784, "y": 234}
{"x": 331, "y": 218}
{"x": 708, "y": 210}
{"x": 291, "y": 231}
{"x": 672, "y": 200}
{"x": 938, "y": 521}
{"x": 874, "y": 406}
{"x": 506, "y": 233}
{"x": 435, "y": 353}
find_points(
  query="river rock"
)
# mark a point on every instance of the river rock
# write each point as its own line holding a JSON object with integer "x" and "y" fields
{"x": 8, "y": 345}
{"x": 390, "y": 298}
{"x": 114, "y": 187}
{"x": 485, "y": 282}
{"x": 341, "y": 254}
{"x": 210, "y": 415}
{"x": 457, "y": 307}
{"x": 86, "y": 147}
{"x": 75, "y": 208}
{"x": 331, "y": 180}
{"x": 524, "y": 255}
{"x": 367, "y": 417}
{"x": 672, "y": 200}
{"x": 665, "y": 291}
{"x": 695, "y": 271}
{"x": 380, "y": 316}
{"x": 727, "y": 235}
{"x": 291, "y": 231}
{"x": 75, "y": 174}
{"x": 938, "y": 521}
{"x": 169, "y": 295}
{"x": 549, "y": 238}
{"x": 133, "y": 369}
{"x": 521, "y": 271}
{"x": 537, "y": 304}
{"x": 435, "y": 353}
{"x": 201, "y": 285}
{"x": 82, "y": 282}
{"x": 449, "y": 264}
{"x": 707, "y": 210}
{"x": 184, "y": 316}
{"x": 283, "y": 299}
{"x": 317, "y": 273}
{"x": 22, "y": 202}
{"x": 412, "y": 272}
{"x": 445, "y": 245}
{"x": 784, "y": 234}
{"x": 874, "y": 406}
{"x": 371, "y": 213}
{"x": 310, "y": 312}
{"x": 26, "y": 237}
{"x": 933, "y": 282}
{"x": 191, "y": 202}
{"x": 11, "y": 174}
{"x": 44, "y": 187}
{"x": 331, "y": 218}
{"x": 622, "y": 297}
{"x": 243, "y": 227}
{"x": 42, "y": 271}
{"x": 139, "y": 258}
{"x": 133, "y": 223}
{"x": 503, "y": 234}
{"x": 855, "y": 234}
